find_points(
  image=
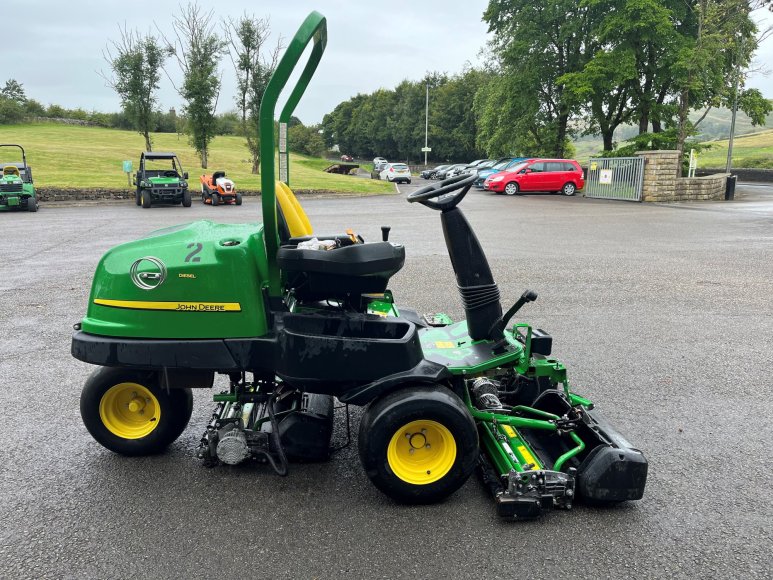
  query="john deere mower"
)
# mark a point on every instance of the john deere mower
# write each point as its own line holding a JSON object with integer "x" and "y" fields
{"x": 217, "y": 189}
{"x": 16, "y": 188}
{"x": 296, "y": 320}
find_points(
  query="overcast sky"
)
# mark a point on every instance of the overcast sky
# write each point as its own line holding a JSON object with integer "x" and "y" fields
{"x": 370, "y": 45}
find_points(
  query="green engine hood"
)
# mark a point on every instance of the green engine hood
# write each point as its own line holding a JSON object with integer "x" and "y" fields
{"x": 200, "y": 280}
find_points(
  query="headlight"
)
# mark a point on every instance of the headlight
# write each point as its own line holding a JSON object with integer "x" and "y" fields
{"x": 183, "y": 184}
{"x": 497, "y": 178}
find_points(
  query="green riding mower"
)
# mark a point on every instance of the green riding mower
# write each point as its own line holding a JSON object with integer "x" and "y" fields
{"x": 296, "y": 320}
{"x": 17, "y": 190}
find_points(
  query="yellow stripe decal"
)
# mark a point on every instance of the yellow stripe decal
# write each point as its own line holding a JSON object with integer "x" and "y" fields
{"x": 509, "y": 431}
{"x": 528, "y": 457}
{"x": 175, "y": 306}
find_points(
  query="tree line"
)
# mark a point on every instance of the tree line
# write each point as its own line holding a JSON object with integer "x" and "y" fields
{"x": 563, "y": 69}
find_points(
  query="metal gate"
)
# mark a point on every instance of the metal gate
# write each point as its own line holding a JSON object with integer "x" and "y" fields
{"x": 615, "y": 178}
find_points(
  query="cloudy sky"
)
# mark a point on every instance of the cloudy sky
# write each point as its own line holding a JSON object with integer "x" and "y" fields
{"x": 371, "y": 45}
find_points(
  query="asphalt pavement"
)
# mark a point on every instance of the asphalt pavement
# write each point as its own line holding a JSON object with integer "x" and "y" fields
{"x": 662, "y": 313}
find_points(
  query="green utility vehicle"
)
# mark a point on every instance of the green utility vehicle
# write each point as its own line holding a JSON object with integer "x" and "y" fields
{"x": 17, "y": 191}
{"x": 294, "y": 326}
{"x": 161, "y": 179}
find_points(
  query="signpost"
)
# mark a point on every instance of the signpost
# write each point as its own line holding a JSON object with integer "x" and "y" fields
{"x": 127, "y": 169}
{"x": 693, "y": 163}
{"x": 284, "y": 160}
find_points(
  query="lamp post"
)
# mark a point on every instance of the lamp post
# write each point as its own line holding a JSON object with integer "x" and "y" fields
{"x": 426, "y": 125}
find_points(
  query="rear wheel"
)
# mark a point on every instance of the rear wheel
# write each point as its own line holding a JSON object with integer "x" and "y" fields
{"x": 511, "y": 188}
{"x": 129, "y": 413}
{"x": 145, "y": 199}
{"x": 569, "y": 188}
{"x": 215, "y": 199}
{"x": 418, "y": 445}
{"x": 186, "y": 198}
{"x": 238, "y": 199}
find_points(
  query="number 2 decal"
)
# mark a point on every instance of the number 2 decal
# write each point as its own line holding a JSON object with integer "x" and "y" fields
{"x": 190, "y": 257}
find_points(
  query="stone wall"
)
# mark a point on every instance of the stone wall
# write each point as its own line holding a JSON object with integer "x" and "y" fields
{"x": 662, "y": 182}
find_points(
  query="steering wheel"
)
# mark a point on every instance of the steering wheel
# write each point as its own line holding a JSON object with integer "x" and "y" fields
{"x": 170, "y": 173}
{"x": 443, "y": 193}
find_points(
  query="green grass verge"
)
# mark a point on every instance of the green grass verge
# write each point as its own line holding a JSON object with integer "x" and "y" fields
{"x": 77, "y": 157}
{"x": 750, "y": 151}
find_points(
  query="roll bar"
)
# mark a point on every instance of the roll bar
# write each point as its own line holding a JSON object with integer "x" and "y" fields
{"x": 313, "y": 28}
{"x": 23, "y": 155}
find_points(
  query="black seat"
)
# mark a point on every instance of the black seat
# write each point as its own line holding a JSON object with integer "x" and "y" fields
{"x": 346, "y": 271}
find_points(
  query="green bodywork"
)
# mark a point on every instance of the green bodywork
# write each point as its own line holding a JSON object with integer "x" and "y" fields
{"x": 161, "y": 181}
{"x": 207, "y": 265}
{"x": 16, "y": 190}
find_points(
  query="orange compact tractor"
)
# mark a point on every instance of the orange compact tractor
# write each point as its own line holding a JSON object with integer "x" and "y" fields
{"x": 217, "y": 189}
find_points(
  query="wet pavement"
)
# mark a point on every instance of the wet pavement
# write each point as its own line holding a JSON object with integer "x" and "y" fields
{"x": 662, "y": 313}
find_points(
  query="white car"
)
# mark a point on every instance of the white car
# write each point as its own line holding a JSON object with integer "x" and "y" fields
{"x": 379, "y": 160}
{"x": 396, "y": 172}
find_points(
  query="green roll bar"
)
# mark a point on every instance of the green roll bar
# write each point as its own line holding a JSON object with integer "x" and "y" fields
{"x": 313, "y": 28}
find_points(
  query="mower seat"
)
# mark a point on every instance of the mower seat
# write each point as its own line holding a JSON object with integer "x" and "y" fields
{"x": 11, "y": 170}
{"x": 353, "y": 269}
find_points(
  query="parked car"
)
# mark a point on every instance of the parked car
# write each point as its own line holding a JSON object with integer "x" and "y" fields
{"x": 449, "y": 171}
{"x": 475, "y": 165}
{"x": 503, "y": 164}
{"x": 396, "y": 172}
{"x": 551, "y": 175}
{"x": 378, "y": 160}
{"x": 347, "y": 158}
{"x": 430, "y": 173}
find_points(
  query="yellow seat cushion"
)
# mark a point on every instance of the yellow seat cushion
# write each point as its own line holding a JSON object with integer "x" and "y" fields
{"x": 297, "y": 221}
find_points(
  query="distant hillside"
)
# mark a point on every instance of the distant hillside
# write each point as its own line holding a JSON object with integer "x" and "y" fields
{"x": 715, "y": 128}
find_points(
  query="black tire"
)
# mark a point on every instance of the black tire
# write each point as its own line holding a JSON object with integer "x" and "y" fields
{"x": 511, "y": 188}
{"x": 145, "y": 199}
{"x": 174, "y": 411}
{"x": 238, "y": 199}
{"x": 408, "y": 182}
{"x": 569, "y": 189}
{"x": 214, "y": 199}
{"x": 137, "y": 198}
{"x": 186, "y": 198}
{"x": 32, "y": 204}
{"x": 381, "y": 438}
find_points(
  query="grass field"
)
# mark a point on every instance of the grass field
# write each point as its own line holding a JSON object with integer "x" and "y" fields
{"x": 753, "y": 150}
{"x": 90, "y": 157}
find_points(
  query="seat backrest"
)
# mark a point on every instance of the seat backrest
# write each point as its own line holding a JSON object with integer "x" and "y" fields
{"x": 11, "y": 170}
{"x": 298, "y": 224}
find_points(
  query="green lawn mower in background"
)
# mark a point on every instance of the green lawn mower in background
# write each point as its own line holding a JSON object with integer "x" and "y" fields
{"x": 161, "y": 179}
{"x": 17, "y": 191}
{"x": 296, "y": 323}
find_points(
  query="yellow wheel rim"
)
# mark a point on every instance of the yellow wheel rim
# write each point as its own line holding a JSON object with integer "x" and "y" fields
{"x": 421, "y": 452}
{"x": 129, "y": 411}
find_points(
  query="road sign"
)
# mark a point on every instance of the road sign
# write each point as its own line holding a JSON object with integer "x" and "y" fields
{"x": 605, "y": 177}
{"x": 426, "y": 149}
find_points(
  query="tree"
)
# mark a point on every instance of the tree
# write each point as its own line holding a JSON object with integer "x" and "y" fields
{"x": 246, "y": 39}
{"x": 14, "y": 91}
{"x": 306, "y": 140}
{"x": 536, "y": 44}
{"x": 198, "y": 49}
{"x": 136, "y": 62}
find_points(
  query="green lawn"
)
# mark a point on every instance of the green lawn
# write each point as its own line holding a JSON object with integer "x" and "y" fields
{"x": 90, "y": 157}
{"x": 754, "y": 150}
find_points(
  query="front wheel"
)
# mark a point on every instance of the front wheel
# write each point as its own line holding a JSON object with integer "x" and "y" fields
{"x": 511, "y": 188}
{"x": 215, "y": 199}
{"x": 145, "y": 199}
{"x": 408, "y": 182}
{"x": 238, "y": 199}
{"x": 137, "y": 197}
{"x": 418, "y": 445}
{"x": 128, "y": 413}
{"x": 569, "y": 189}
{"x": 32, "y": 204}
{"x": 186, "y": 198}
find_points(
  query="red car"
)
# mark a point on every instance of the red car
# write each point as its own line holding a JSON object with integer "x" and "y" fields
{"x": 347, "y": 158}
{"x": 553, "y": 175}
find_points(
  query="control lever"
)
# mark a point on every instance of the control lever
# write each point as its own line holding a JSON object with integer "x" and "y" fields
{"x": 385, "y": 233}
{"x": 498, "y": 328}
